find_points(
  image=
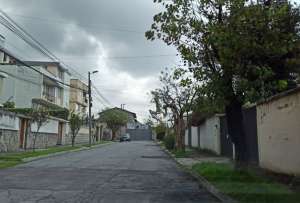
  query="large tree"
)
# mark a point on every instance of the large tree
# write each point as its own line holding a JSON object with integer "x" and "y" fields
{"x": 175, "y": 95}
{"x": 242, "y": 51}
{"x": 114, "y": 119}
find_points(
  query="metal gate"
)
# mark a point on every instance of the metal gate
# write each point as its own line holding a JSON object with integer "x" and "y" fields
{"x": 140, "y": 134}
{"x": 226, "y": 144}
{"x": 250, "y": 126}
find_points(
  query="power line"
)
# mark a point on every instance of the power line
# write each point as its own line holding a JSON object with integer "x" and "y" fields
{"x": 29, "y": 39}
{"x": 63, "y": 22}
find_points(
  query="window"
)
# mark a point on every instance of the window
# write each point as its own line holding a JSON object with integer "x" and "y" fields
{"x": 61, "y": 75}
{"x": 4, "y": 58}
{"x": 1, "y": 84}
{"x": 49, "y": 93}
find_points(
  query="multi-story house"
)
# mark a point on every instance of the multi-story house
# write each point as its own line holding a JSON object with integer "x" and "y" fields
{"x": 31, "y": 83}
{"x": 78, "y": 97}
{"x": 55, "y": 84}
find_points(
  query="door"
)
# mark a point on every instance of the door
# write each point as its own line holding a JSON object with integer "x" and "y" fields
{"x": 22, "y": 132}
{"x": 60, "y": 133}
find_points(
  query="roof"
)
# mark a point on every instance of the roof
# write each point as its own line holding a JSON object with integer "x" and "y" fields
{"x": 9, "y": 53}
{"x": 124, "y": 110}
{"x": 44, "y": 63}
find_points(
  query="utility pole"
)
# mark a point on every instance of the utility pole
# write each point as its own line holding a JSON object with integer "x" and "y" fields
{"x": 90, "y": 106}
{"x": 90, "y": 111}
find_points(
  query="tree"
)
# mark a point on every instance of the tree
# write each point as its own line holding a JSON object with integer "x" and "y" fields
{"x": 176, "y": 95}
{"x": 75, "y": 125}
{"x": 115, "y": 119}
{"x": 39, "y": 116}
{"x": 230, "y": 47}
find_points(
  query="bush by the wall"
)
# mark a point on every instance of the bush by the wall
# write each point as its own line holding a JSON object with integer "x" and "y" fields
{"x": 160, "y": 136}
{"x": 169, "y": 142}
{"x": 160, "y": 130}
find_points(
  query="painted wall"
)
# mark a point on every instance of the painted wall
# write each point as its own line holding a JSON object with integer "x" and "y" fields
{"x": 278, "y": 128}
{"x": 194, "y": 137}
{"x": 50, "y": 127}
{"x": 211, "y": 138}
{"x": 8, "y": 121}
{"x": 209, "y": 135}
{"x": 21, "y": 85}
{"x": 10, "y": 133}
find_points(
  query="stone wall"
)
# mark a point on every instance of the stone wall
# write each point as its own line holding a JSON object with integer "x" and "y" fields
{"x": 43, "y": 140}
{"x": 10, "y": 133}
{"x": 9, "y": 140}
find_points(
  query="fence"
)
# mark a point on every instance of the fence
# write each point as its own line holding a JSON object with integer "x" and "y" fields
{"x": 278, "y": 129}
{"x": 13, "y": 136}
{"x": 271, "y": 131}
{"x": 140, "y": 134}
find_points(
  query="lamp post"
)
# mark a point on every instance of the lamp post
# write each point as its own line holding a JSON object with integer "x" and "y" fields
{"x": 90, "y": 106}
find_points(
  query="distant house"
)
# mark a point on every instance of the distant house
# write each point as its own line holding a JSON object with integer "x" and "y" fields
{"x": 78, "y": 97}
{"x": 131, "y": 124}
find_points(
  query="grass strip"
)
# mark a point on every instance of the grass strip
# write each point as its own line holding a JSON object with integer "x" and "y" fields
{"x": 245, "y": 186}
{"x": 12, "y": 159}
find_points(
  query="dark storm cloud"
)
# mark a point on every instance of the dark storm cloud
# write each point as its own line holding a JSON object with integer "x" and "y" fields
{"x": 66, "y": 26}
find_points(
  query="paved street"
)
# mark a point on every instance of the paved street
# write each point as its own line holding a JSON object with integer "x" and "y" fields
{"x": 123, "y": 172}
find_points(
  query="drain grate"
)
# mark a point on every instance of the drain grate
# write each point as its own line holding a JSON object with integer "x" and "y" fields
{"x": 154, "y": 157}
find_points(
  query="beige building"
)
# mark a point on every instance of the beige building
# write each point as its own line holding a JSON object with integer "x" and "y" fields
{"x": 78, "y": 97}
{"x": 278, "y": 131}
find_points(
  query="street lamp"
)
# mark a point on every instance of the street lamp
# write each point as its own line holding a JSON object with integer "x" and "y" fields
{"x": 90, "y": 106}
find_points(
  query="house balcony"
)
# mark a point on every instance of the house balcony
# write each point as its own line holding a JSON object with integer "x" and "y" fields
{"x": 49, "y": 97}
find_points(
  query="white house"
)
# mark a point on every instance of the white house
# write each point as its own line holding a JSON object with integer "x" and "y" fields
{"x": 26, "y": 86}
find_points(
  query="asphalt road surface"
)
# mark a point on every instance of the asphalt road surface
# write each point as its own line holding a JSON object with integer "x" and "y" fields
{"x": 123, "y": 172}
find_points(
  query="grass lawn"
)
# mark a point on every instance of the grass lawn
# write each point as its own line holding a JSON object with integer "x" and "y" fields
{"x": 245, "y": 187}
{"x": 11, "y": 159}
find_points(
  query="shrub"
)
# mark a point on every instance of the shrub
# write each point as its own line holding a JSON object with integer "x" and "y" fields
{"x": 169, "y": 142}
{"x": 160, "y": 131}
{"x": 160, "y": 136}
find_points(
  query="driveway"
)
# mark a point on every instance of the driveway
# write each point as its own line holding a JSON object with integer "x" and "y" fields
{"x": 123, "y": 172}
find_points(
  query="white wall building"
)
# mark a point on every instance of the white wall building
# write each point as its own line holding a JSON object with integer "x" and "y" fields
{"x": 26, "y": 87}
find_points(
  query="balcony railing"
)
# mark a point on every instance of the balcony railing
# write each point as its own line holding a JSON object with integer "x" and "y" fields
{"x": 49, "y": 97}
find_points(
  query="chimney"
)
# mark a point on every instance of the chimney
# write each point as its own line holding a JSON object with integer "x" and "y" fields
{"x": 2, "y": 41}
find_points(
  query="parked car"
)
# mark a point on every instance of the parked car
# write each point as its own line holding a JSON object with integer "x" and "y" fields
{"x": 125, "y": 138}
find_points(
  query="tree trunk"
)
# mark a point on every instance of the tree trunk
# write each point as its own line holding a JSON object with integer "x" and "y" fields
{"x": 179, "y": 134}
{"x": 73, "y": 141}
{"x": 34, "y": 140}
{"x": 236, "y": 131}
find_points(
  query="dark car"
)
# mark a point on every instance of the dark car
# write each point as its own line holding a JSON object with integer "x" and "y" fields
{"x": 125, "y": 138}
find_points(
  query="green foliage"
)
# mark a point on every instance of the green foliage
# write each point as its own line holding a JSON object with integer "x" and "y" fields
{"x": 245, "y": 186}
{"x": 9, "y": 105}
{"x": 114, "y": 118}
{"x": 60, "y": 113}
{"x": 230, "y": 45}
{"x": 169, "y": 142}
{"x": 160, "y": 131}
{"x": 57, "y": 113}
{"x": 75, "y": 122}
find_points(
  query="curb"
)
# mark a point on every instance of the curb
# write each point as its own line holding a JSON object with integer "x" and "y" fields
{"x": 205, "y": 183}
{"x": 30, "y": 159}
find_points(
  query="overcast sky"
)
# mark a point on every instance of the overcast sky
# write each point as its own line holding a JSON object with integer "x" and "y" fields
{"x": 104, "y": 35}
